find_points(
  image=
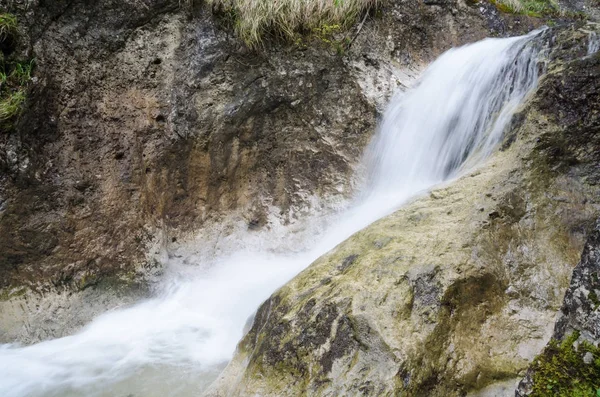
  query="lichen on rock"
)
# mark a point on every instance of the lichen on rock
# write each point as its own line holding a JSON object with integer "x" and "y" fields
{"x": 148, "y": 124}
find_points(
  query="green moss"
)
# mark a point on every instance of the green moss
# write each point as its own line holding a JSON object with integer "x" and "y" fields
{"x": 594, "y": 298}
{"x": 561, "y": 371}
{"x": 327, "y": 34}
{"x": 8, "y": 293}
{"x": 331, "y": 36}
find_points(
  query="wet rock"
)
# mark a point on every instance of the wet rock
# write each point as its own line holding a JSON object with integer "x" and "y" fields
{"x": 146, "y": 118}
{"x": 457, "y": 302}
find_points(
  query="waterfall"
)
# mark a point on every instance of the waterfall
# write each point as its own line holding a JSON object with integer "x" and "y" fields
{"x": 176, "y": 343}
{"x": 593, "y": 43}
{"x": 459, "y": 109}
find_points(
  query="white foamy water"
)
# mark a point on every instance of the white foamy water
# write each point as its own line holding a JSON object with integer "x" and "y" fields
{"x": 593, "y": 43}
{"x": 176, "y": 343}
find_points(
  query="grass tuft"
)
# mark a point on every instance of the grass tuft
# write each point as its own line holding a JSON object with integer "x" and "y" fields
{"x": 532, "y": 8}
{"x": 255, "y": 20}
{"x": 14, "y": 78}
{"x": 8, "y": 26}
{"x": 11, "y": 106}
{"x": 21, "y": 73}
{"x": 15, "y": 75}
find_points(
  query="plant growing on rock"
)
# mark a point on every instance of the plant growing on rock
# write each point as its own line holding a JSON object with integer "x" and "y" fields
{"x": 567, "y": 369}
{"x": 14, "y": 75}
{"x": 256, "y": 19}
{"x": 11, "y": 105}
{"x": 532, "y": 8}
{"x": 8, "y": 26}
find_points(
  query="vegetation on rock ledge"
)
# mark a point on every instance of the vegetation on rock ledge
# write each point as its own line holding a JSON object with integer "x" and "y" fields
{"x": 14, "y": 75}
{"x": 532, "y": 8}
{"x": 567, "y": 369}
{"x": 8, "y": 26}
{"x": 254, "y": 20}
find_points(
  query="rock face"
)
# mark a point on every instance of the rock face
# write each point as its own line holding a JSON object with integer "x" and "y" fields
{"x": 148, "y": 122}
{"x": 579, "y": 316}
{"x": 145, "y": 120}
{"x": 580, "y": 309}
{"x": 456, "y": 293}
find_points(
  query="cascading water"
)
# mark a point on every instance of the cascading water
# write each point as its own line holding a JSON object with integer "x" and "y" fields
{"x": 593, "y": 43}
{"x": 459, "y": 108}
{"x": 176, "y": 343}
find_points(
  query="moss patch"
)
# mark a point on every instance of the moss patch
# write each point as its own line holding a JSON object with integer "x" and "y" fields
{"x": 561, "y": 370}
{"x": 8, "y": 294}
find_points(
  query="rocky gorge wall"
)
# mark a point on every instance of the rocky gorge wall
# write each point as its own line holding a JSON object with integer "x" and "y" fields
{"x": 458, "y": 292}
{"x": 148, "y": 124}
{"x": 570, "y": 363}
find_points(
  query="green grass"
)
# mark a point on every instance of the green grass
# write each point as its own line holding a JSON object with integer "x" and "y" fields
{"x": 14, "y": 78}
{"x": 14, "y": 75}
{"x": 560, "y": 370}
{"x": 21, "y": 73}
{"x": 8, "y": 26}
{"x": 256, "y": 20}
{"x": 532, "y": 8}
{"x": 11, "y": 105}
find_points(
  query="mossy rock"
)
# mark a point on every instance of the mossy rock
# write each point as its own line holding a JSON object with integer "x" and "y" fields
{"x": 531, "y": 8}
{"x": 567, "y": 369}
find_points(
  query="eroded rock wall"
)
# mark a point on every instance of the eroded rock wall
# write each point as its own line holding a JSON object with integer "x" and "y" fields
{"x": 574, "y": 97}
{"x": 162, "y": 122}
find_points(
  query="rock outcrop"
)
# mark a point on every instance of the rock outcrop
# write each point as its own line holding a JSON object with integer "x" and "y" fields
{"x": 456, "y": 293}
{"x": 577, "y": 333}
{"x": 145, "y": 118}
{"x": 579, "y": 312}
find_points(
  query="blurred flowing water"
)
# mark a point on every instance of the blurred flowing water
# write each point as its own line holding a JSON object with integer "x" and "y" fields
{"x": 177, "y": 343}
{"x": 593, "y": 43}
